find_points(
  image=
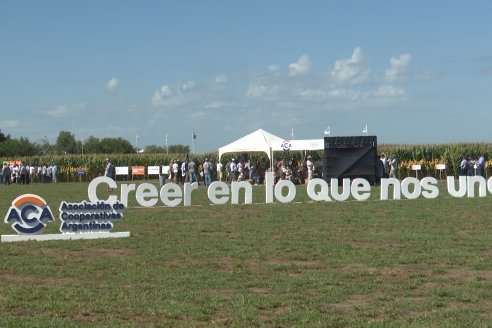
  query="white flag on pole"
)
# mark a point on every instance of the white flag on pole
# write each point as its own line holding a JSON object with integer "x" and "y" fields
{"x": 365, "y": 129}
{"x": 327, "y": 131}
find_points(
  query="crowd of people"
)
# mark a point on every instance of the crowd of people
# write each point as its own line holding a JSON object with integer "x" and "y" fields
{"x": 23, "y": 173}
{"x": 387, "y": 167}
{"x": 471, "y": 167}
{"x": 252, "y": 170}
{"x": 298, "y": 171}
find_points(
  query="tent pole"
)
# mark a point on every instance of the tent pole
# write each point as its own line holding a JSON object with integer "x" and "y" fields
{"x": 271, "y": 159}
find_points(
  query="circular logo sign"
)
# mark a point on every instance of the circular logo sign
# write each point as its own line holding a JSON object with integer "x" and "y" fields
{"x": 28, "y": 214}
{"x": 286, "y": 145}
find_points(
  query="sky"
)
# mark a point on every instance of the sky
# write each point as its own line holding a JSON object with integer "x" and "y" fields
{"x": 414, "y": 72}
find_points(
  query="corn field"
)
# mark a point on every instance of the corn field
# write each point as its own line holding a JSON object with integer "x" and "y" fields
{"x": 428, "y": 156}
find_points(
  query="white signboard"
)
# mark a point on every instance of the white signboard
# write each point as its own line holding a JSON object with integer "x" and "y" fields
{"x": 440, "y": 166}
{"x": 121, "y": 170}
{"x": 153, "y": 170}
{"x": 165, "y": 169}
{"x": 416, "y": 167}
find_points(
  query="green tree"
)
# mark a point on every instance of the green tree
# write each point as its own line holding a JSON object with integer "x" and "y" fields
{"x": 25, "y": 147}
{"x": 92, "y": 145}
{"x": 17, "y": 147}
{"x": 155, "y": 149}
{"x": 179, "y": 149}
{"x": 116, "y": 146}
{"x": 4, "y": 137}
{"x": 43, "y": 147}
{"x": 65, "y": 143}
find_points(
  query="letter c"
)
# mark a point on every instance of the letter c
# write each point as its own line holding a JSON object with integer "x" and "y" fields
{"x": 91, "y": 191}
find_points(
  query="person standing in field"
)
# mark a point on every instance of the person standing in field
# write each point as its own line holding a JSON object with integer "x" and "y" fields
{"x": 175, "y": 169}
{"x": 219, "y": 170}
{"x": 385, "y": 165}
{"x": 54, "y": 172}
{"x": 240, "y": 171}
{"x": 252, "y": 170}
{"x": 6, "y": 174}
{"x": 207, "y": 175}
{"x": 192, "y": 171}
{"x": 233, "y": 170}
{"x": 464, "y": 166}
{"x": 471, "y": 167}
{"x": 228, "y": 170}
{"x": 393, "y": 162}
{"x": 184, "y": 171}
{"x": 108, "y": 170}
{"x": 310, "y": 167}
{"x": 481, "y": 166}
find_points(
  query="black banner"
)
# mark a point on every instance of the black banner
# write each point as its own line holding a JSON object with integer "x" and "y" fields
{"x": 351, "y": 142}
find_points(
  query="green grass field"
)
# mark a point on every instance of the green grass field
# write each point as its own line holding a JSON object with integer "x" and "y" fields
{"x": 405, "y": 263}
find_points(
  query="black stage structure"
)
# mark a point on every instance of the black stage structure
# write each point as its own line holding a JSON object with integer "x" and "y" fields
{"x": 350, "y": 157}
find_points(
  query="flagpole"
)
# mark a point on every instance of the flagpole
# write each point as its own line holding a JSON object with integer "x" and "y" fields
{"x": 193, "y": 142}
{"x": 327, "y": 131}
{"x": 167, "y": 149}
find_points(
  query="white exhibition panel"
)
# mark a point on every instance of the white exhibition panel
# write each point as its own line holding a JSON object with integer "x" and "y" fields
{"x": 121, "y": 170}
{"x": 165, "y": 169}
{"x": 153, "y": 170}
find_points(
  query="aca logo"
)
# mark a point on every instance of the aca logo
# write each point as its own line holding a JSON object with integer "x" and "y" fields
{"x": 28, "y": 214}
{"x": 286, "y": 145}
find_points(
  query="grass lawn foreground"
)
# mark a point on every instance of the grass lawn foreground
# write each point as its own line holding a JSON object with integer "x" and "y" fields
{"x": 396, "y": 263}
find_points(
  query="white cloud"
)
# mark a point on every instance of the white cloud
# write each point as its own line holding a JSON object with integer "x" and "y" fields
{"x": 156, "y": 98}
{"x": 384, "y": 91}
{"x": 259, "y": 90}
{"x": 351, "y": 70}
{"x": 398, "y": 66}
{"x": 9, "y": 124}
{"x": 388, "y": 91}
{"x": 302, "y": 66}
{"x": 166, "y": 91}
{"x": 312, "y": 94}
{"x": 168, "y": 95}
{"x": 349, "y": 94}
{"x": 159, "y": 95}
{"x": 426, "y": 75}
{"x": 112, "y": 84}
{"x": 221, "y": 79}
{"x": 187, "y": 85}
{"x": 273, "y": 68}
{"x": 215, "y": 105}
{"x": 66, "y": 111}
{"x": 198, "y": 114}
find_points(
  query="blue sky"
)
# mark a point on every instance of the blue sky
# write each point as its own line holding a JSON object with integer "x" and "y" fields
{"x": 413, "y": 71}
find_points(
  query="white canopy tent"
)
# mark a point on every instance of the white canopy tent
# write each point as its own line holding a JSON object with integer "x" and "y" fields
{"x": 262, "y": 141}
{"x": 258, "y": 141}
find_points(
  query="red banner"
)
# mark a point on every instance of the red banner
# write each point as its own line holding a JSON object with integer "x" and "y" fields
{"x": 138, "y": 170}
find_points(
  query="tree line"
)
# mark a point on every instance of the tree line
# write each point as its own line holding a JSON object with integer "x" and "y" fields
{"x": 67, "y": 144}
